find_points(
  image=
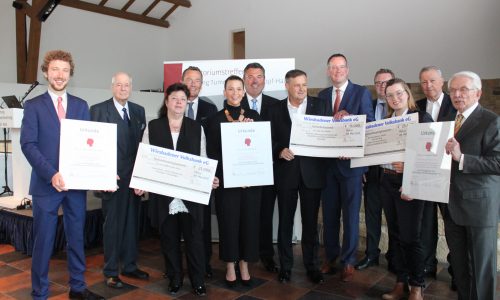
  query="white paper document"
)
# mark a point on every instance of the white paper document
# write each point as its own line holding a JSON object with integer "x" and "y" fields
{"x": 173, "y": 173}
{"x": 427, "y": 167}
{"x": 247, "y": 154}
{"x": 87, "y": 155}
{"x": 319, "y": 136}
{"x": 385, "y": 141}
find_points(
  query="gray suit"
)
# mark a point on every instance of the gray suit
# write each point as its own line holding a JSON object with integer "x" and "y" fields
{"x": 472, "y": 223}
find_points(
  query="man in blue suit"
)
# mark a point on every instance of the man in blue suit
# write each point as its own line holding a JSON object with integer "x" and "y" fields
{"x": 342, "y": 193}
{"x": 40, "y": 133}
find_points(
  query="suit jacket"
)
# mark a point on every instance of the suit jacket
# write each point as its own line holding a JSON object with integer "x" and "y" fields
{"x": 40, "y": 135}
{"x": 356, "y": 101}
{"x": 106, "y": 112}
{"x": 474, "y": 191}
{"x": 288, "y": 174}
{"x": 267, "y": 101}
{"x": 205, "y": 111}
{"x": 447, "y": 111}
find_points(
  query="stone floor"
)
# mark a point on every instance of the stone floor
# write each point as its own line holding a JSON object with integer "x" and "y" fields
{"x": 367, "y": 284}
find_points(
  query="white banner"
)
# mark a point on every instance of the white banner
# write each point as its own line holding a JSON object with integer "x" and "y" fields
{"x": 215, "y": 72}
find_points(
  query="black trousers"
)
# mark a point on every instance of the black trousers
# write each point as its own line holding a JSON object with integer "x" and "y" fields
{"x": 238, "y": 211}
{"x": 207, "y": 229}
{"x": 266, "y": 249}
{"x": 175, "y": 226}
{"x": 373, "y": 211}
{"x": 309, "y": 207}
{"x": 120, "y": 231}
{"x": 404, "y": 222}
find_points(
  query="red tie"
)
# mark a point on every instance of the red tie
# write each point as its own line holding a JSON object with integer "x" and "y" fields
{"x": 60, "y": 109}
{"x": 337, "y": 101}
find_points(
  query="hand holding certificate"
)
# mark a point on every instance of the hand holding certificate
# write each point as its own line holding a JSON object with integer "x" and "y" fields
{"x": 173, "y": 173}
{"x": 427, "y": 167}
{"x": 385, "y": 141}
{"x": 87, "y": 156}
{"x": 319, "y": 136}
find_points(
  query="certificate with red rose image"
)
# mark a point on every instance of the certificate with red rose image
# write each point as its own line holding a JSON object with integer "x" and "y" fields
{"x": 427, "y": 167}
{"x": 246, "y": 154}
{"x": 87, "y": 155}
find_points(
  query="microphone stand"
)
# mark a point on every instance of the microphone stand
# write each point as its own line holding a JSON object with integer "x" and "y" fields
{"x": 6, "y": 188}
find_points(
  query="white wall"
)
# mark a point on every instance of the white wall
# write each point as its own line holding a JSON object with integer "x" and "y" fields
{"x": 402, "y": 35}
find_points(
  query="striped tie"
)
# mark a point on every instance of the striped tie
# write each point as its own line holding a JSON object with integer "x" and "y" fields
{"x": 458, "y": 123}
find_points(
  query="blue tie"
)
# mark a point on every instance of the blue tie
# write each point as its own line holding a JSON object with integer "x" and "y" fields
{"x": 190, "y": 111}
{"x": 383, "y": 110}
{"x": 125, "y": 116}
{"x": 254, "y": 105}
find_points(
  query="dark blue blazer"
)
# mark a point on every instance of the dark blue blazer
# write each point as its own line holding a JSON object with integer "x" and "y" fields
{"x": 40, "y": 135}
{"x": 356, "y": 101}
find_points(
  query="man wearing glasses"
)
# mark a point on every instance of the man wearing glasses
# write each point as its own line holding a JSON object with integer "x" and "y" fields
{"x": 472, "y": 222}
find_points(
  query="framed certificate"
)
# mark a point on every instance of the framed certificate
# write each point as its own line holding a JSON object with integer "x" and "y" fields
{"x": 88, "y": 154}
{"x": 247, "y": 154}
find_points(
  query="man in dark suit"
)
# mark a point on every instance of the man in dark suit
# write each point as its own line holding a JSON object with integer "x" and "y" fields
{"x": 201, "y": 110}
{"x": 254, "y": 76}
{"x": 438, "y": 104}
{"x": 296, "y": 175}
{"x": 471, "y": 223}
{"x": 121, "y": 207}
{"x": 40, "y": 137}
{"x": 371, "y": 190}
{"x": 343, "y": 183}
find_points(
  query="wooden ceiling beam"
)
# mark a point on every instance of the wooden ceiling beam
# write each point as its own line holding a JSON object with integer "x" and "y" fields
{"x": 103, "y": 2}
{"x": 184, "y": 3}
{"x": 114, "y": 12}
{"x": 150, "y": 7}
{"x": 30, "y": 74}
{"x": 127, "y": 5}
{"x": 21, "y": 45}
{"x": 169, "y": 12}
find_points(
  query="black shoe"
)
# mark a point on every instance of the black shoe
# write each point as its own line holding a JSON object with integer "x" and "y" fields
{"x": 453, "y": 285}
{"x": 114, "y": 282}
{"x": 85, "y": 295}
{"x": 174, "y": 287}
{"x": 366, "y": 262}
{"x": 200, "y": 291}
{"x": 139, "y": 274}
{"x": 284, "y": 276}
{"x": 315, "y": 276}
{"x": 269, "y": 264}
{"x": 231, "y": 283}
{"x": 208, "y": 272}
{"x": 430, "y": 272}
{"x": 247, "y": 282}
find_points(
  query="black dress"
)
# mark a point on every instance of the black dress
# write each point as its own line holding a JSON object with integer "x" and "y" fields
{"x": 238, "y": 209}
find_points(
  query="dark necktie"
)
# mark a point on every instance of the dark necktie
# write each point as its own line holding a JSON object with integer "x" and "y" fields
{"x": 190, "y": 111}
{"x": 337, "y": 101}
{"x": 125, "y": 116}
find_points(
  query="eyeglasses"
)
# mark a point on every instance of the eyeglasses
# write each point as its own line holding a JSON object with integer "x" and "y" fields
{"x": 381, "y": 82}
{"x": 463, "y": 90}
{"x": 398, "y": 94}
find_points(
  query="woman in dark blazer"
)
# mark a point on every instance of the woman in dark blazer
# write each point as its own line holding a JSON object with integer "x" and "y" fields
{"x": 176, "y": 217}
{"x": 404, "y": 216}
{"x": 237, "y": 208}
